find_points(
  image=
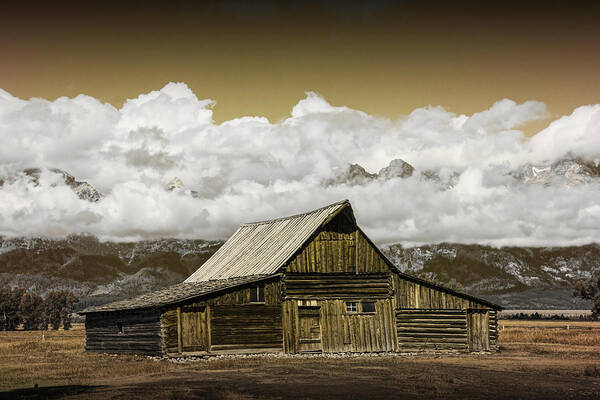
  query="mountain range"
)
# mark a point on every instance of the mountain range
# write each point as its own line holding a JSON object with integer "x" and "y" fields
{"x": 516, "y": 277}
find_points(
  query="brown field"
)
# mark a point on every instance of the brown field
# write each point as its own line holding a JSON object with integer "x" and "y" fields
{"x": 538, "y": 360}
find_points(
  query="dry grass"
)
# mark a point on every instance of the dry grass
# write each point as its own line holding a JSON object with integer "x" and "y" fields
{"x": 573, "y": 337}
{"x": 515, "y": 323}
{"x": 529, "y": 353}
{"x": 26, "y": 359}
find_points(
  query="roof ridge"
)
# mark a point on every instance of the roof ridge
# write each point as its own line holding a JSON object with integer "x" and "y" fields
{"x": 269, "y": 221}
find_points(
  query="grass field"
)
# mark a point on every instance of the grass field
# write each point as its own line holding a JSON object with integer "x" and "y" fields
{"x": 537, "y": 360}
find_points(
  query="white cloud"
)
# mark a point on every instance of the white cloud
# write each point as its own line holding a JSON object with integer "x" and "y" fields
{"x": 250, "y": 169}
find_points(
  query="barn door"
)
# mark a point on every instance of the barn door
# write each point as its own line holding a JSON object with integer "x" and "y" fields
{"x": 194, "y": 332}
{"x": 309, "y": 329}
{"x": 478, "y": 323}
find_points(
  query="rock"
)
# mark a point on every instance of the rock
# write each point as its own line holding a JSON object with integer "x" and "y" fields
{"x": 397, "y": 168}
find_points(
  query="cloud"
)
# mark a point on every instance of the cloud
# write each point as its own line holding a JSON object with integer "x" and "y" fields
{"x": 250, "y": 169}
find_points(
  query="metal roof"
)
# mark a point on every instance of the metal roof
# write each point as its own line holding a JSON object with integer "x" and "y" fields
{"x": 261, "y": 248}
{"x": 175, "y": 294}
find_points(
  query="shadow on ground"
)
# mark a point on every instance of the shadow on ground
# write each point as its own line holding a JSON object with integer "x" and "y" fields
{"x": 50, "y": 392}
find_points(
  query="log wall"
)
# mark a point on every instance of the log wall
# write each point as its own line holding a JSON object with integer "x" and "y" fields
{"x": 242, "y": 296}
{"x": 493, "y": 326}
{"x": 246, "y": 327}
{"x": 228, "y": 321}
{"x": 431, "y": 330}
{"x": 338, "y": 286}
{"x": 141, "y": 332}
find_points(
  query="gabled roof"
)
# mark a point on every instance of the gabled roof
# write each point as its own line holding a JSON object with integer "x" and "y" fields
{"x": 176, "y": 294}
{"x": 261, "y": 248}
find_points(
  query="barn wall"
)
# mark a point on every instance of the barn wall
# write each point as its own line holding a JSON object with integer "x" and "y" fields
{"x": 237, "y": 324}
{"x": 339, "y": 247}
{"x": 410, "y": 294}
{"x": 333, "y": 249}
{"x": 242, "y": 295}
{"x": 338, "y": 286}
{"x": 227, "y": 321}
{"x": 426, "y": 330}
{"x": 141, "y": 332}
{"x": 493, "y": 326}
{"x": 191, "y": 319}
{"x": 323, "y": 296}
{"x": 246, "y": 327}
{"x": 339, "y": 331}
{"x": 478, "y": 337}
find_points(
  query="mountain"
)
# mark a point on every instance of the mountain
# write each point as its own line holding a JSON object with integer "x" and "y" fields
{"x": 177, "y": 185}
{"x": 397, "y": 168}
{"x": 99, "y": 271}
{"x": 84, "y": 190}
{"x": 566, "y": 171}
{"x": 516, "y": 277}
{"x": 103, "y": 271}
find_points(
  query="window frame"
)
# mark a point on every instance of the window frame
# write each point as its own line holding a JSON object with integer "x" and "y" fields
{"x": 362, "y": 308}
{"x": 352, "y": 307}
{"x": 355, "y": 307}
{"x": 257, "y": 294}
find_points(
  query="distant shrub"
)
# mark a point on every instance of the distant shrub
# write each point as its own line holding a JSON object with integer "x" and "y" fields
{"x": 32, "y": 312}
{"x": 555, "y": 317}
{"x": 19, "y": 306}
{"x": 59, "y": 307}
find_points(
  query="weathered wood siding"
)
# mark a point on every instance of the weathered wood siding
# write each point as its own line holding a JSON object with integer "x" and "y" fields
{"x": 242, "y": 295}
{"x": 141, "y": 332}
{"x": 426, "y": 330}
{"x": 333, "y": 250}
{"x": 341, "y": 331}
{"x": 478, "y": 330}
{"x": 338, "y": 286}
{"x": 247, "y": 327}
{"x": 227, "y": 321}
{"x": 410, "y": 294}
{"x": 368, "y": 259}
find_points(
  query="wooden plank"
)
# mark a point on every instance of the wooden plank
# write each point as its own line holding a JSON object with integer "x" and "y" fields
{"x": 179, "y": 339}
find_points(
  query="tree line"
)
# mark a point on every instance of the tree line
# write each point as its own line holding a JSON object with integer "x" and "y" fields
{"x": 19, "y": 306}
{"x": 590, "y": 290}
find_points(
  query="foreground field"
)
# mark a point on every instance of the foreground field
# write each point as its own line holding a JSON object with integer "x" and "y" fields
{"x": 536, "y": 361}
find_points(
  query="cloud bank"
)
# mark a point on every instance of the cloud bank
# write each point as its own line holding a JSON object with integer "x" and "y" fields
{"x": 250, "y": 169}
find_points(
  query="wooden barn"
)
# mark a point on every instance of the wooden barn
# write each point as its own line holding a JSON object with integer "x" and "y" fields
{"x": 312, "y": 282}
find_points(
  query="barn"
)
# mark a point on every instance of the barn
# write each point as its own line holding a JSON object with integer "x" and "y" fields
{"x": 312, "y": 282}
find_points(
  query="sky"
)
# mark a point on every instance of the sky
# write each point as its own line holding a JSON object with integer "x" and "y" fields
{"x": 259, "y": 109}
{"x": 258, "y": 58}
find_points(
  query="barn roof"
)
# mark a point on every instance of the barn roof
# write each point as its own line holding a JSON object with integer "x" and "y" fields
{"x": 261, "y": 248}
{"x": 176, "y": 294}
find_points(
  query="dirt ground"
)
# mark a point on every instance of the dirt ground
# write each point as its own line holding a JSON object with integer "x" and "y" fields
{"x": 532, "y": 364}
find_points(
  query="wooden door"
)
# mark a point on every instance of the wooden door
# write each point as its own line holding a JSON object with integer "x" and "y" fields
{"x": 309, "y": 329}
{"x": 478, "y": 323}
{"x": 194, "y": 329}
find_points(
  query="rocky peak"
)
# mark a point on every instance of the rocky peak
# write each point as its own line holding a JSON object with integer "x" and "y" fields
{"x": 569, "y": 171}
{"x": 175, "y": 183}
{"x": 397, "y": 168}
{"x": 84, "y": 190}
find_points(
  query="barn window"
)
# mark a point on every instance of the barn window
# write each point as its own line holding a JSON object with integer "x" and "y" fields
{"x": 257, "y": 294}
{"x": 120, "y": 327}
{"x": 351, "y": 306}
{"x": 367, "y": 306}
